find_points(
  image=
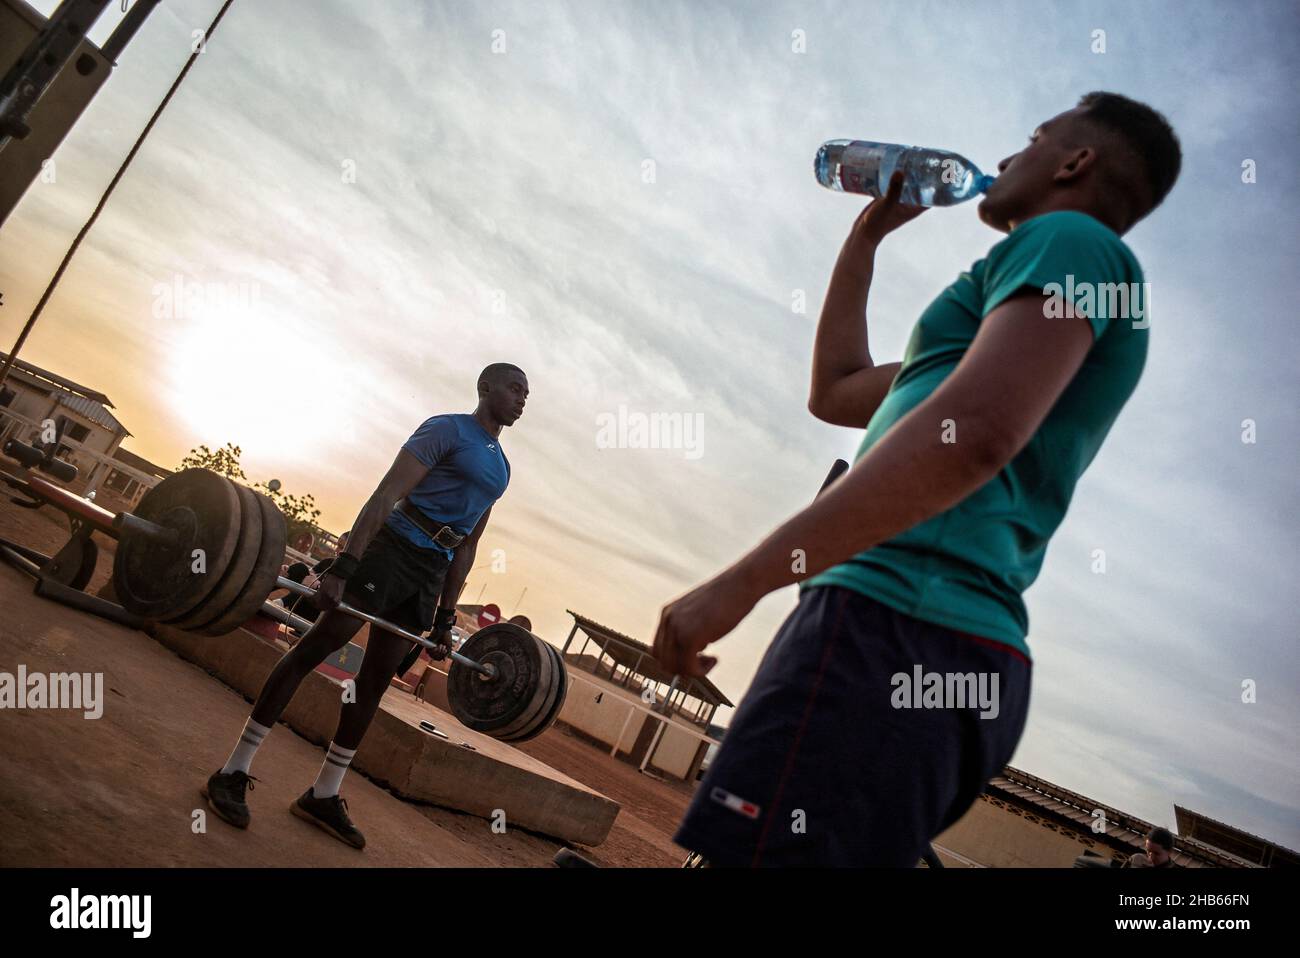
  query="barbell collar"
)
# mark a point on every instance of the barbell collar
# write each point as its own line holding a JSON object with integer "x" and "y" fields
{"x": 129, "y": 522}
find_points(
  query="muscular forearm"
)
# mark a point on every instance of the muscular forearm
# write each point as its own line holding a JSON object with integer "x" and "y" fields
{"x": 906, "y": 478}
{"x": 462, "y": 561}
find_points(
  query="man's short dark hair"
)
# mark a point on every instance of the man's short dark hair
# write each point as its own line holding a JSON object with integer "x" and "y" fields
{"x": 493, "y": 373}
{"x": 1162, "y": 838}
{"x": 1148, "y": 136}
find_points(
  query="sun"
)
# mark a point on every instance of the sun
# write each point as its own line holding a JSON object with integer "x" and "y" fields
{"x": 239, "y": 376}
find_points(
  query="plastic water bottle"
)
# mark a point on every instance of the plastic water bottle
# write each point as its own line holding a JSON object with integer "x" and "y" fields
{"x": 930, "y": 177}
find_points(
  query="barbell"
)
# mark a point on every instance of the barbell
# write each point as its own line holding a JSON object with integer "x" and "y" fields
{"x": 307, "y": 592}
{"x": 202, "y": 554}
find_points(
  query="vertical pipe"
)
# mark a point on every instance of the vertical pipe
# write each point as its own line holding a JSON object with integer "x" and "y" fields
{"x": 126, "y": 28}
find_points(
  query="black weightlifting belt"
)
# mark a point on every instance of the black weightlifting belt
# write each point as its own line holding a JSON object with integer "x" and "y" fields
{"x": 445, "y": 536}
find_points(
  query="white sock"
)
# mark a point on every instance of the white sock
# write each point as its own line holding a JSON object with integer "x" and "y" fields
{"x": 337, "y": 760}
{"x": 242, "y": 757}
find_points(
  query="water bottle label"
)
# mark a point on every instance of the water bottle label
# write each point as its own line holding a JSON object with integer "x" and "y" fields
{"x": 860, "y": 168}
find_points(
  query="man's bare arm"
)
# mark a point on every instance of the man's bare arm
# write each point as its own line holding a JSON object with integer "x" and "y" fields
{"x": 847, "y": 385}
{"x": 1010, "y": 377}
{"x": 403, "y": 475}
{"x": 1013, "y": 373}
{"x": 462, "y": 561}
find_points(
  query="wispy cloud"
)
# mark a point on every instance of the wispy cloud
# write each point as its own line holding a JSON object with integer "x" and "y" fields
{"x": 620, "y": 200}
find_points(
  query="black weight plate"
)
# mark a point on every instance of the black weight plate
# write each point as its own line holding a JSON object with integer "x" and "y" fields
{"x": 543, "y": 695}
{"x": 561, "y": 693}
{"x": 548, "y": 688}
{"x": 232, "y": 583}
{"x": 526, "y": 726}
{"x": 156, "y": 580}
{"x": 261, "y": 581}
{"x": 563, "y": 673}
{"x": 487, "y": 705}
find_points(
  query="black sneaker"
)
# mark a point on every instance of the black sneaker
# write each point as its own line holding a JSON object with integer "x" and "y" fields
{"x": 331, "y": 814}
{"x": 225, "y": 795}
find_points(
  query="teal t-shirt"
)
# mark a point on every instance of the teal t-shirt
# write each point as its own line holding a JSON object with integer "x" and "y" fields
{"x": 967, "y": 567}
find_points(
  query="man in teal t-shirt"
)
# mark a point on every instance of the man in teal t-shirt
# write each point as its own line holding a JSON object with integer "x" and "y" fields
{"x": 967, "y": 566}
{"x": 900, "y": 683}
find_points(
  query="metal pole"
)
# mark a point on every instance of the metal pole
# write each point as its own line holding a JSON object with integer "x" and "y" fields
{"x": 126, "y": 28}
{"x": 129, "y": 522}
{"x": 21, "y": 561}
{"x": 672, "y": 689}
{"x": 299, "y": 589}
{"x": 108, "y": 191}
{"x": 654, "y": 744}
{"x": 622, "y": 732}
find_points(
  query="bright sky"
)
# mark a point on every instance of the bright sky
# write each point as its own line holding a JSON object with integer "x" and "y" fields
{"x": 619, "y": 198}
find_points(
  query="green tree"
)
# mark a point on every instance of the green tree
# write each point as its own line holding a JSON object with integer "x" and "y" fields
{"x": 300, "y": 512}
{"x": 224, "y": 462}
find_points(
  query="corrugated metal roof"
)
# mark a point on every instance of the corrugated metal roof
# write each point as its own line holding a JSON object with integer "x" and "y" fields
{"x": 1188, "y": 819}
{"x": 93, "y": 411}
{"x": 598, "y": 632}
{"x": 128, "y": 458}
{"x": 61, "y": 382}
{"x": 28, "y": 380}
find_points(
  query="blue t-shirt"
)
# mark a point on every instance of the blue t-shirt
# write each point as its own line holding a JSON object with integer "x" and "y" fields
{"x": 468, "y": 471}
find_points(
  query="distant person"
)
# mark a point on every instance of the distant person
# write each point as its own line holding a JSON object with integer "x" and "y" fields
{"x": 1159, "y": 851}
{"x": 321, "y": 567}
{"x": 919, "y": 555}
{"x": 296, "y": 572}
{"x": 417, "y": 536}
{"x": 304, "y": 606}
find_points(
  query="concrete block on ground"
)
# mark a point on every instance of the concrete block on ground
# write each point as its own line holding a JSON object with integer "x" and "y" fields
{"x": 486, "y": 778}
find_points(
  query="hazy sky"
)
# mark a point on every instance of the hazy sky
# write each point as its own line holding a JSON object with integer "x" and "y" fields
{"x": 619, "y": 198}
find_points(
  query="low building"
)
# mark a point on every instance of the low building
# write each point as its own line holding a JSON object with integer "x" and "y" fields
{"x": 90, "y": 435}
{"x": 1233, "y": 841}
{"x": 128, "y": 478}
{"x": 89, "y": 432}
{"x": 1022, "y": 821}
{"x": 619, "y": 697}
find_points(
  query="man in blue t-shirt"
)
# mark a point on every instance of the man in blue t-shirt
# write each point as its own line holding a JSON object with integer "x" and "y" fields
{"x": 900, "y": 683}
{"x": 406, "y": 560}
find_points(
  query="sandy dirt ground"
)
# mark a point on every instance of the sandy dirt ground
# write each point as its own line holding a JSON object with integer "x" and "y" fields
{"x": 122, "y": 790}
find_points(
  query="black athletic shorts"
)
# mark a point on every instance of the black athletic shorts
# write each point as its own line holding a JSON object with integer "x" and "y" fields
{"x": 398, "y": 581}
{"x": 821, "y": 765}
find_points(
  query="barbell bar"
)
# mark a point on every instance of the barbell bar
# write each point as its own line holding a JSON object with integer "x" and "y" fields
{"x": 131, "y": 524}
{"x": 519, "y": 704}
{"x": 297, "y": 588}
